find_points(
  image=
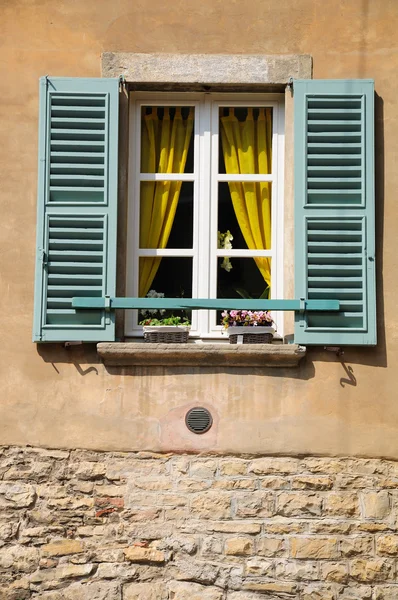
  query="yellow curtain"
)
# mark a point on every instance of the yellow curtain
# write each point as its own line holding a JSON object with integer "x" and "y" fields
{"x": 164, "y": 149}
{"x": 247, "y": 150}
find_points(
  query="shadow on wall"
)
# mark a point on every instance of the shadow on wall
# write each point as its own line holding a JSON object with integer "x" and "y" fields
{"x": 86, "y": 354}
{"x": 80, "y": 356}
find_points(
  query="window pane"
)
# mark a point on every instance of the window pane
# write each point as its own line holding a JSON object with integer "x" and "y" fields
{"x": 244, "y": 209}
{"x": 243, "y": 278}
{"x": 170, "y": 276}
{"x": 166, "y": 214}
{"x": 167, "y": 139}
{"x": 245, "y": 141}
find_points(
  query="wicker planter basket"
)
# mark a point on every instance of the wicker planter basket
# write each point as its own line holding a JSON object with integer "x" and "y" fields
{"x": 250, "y": 335}
{"x": 166, "y": 334}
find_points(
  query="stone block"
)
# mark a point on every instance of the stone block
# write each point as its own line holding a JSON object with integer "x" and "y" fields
{"x": 356, "y": 546}
{"x": 212, "y": 545}
{"x": 331, "y": 527}
{"x": 61, "y": 573}
{"x": 257, "y": 504}
{"x": 334, "y": 571}
{"x": 318, "y": 592}
{"x": 193, "y": 591}
{"x": 115, "y": 571}
{"x": 271, "y": 465}
{"x": 387, "y": 545}
{"x": 375, "y": 505}
{"x": 139, "y": 554}
{"x": 16, "y": 495}
{"x": 206, "y": 68}
{"x": 312, "y": 482}
{"x": 144, "y": 591}
{"x": 154, "y": 483}
{"x": 85, "y": 591}
{"x": 357, "y": 592}
{"x": 211, "y": 505}
{"x": 205, "y": 469}
{"x": 235, "y": 484}
{"x": 277, "y": 587}
{"x": 110, "y": 490}
{"x": 19, "y": 558}
{"x": 341, "y": 505}
{"x": 233, "y": 467}
{"x": 239, "y": 546}
{"x": 243, "y": 596}
{"x": 313, "y": 547}
{"x": 194, "y": 570}
{"x": 235, "y": 527}
{"x": 296, "y": 504}
{"x": 372, "y": 570}
{"x": 188, "y": 484}
{"x": 62, "y": 547}
{"x": 388, "y": 592}
{"x": 329, "y": 466}
{"x": 269, "y": 546}
{"x": 297, "y": 569}
{"x": 282, "y": 525}
{"x": 274, "y": 483}
{"x": 90, "y": 470}
{"x": 259, "y": 567}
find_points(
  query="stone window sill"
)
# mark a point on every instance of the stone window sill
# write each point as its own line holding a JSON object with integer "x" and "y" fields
{"x": 119, "y": 354}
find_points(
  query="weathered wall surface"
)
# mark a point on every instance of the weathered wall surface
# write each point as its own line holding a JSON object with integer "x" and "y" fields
{"x": 66, "y": 398}
{"x": 139, "y": 526}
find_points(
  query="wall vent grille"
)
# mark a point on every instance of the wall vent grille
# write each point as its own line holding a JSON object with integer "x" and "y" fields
{"x": 198, "y": 420}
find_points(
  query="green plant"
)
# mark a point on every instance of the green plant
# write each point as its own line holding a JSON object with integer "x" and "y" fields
{"x": 166, "y": 321}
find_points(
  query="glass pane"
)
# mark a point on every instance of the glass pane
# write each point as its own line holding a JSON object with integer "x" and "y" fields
{"x": 166, "y": 214}
{"x": 244, "y": 210}
{"x": 169, "y": 277}
{"x": 245, "y": 141}
{"x": 167, "y": 139}
{"x": 245, "y": 278}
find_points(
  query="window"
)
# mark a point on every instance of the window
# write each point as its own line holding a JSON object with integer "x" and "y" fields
{"x": 334, "y": 223}
{"x": 206, "y": 171}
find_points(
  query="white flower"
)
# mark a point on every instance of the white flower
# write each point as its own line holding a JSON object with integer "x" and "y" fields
{"x": 153, "y": 311}
{"x": 224, "y": 242}
{"x": 226, "y": 264}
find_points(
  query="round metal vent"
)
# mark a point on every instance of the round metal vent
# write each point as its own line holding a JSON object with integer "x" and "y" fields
{"x": 198, "y": 420}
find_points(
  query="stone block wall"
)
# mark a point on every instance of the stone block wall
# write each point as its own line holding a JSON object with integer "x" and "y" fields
{"x": 85, "y": 525}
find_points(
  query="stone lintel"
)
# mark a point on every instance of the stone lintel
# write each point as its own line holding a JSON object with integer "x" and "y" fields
{"x": 207, "y": 69}
{"x": 118, "y": 354}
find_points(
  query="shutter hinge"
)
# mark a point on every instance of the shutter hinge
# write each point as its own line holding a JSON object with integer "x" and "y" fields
{"x": 107, "y": 306}
{"x": 301, "y": 311}
{"x": 122, "y": 84}
{"x": 44, "y": 258}
{"x": 289, "y": 85}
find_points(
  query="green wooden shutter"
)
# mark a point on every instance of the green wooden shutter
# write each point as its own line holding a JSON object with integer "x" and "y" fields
{"x": 334, "y": 209}
{"x": 77, "y": 207}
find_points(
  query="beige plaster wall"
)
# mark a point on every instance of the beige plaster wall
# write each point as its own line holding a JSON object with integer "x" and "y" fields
{"x": 57, "y": 397}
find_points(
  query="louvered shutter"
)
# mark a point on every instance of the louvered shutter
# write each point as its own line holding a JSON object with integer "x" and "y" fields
{"x": 77, "y": 207}
{"x": 334, "y": 209}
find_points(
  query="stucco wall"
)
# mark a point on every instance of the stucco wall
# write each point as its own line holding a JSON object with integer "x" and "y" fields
{"x": 66, "y": 398}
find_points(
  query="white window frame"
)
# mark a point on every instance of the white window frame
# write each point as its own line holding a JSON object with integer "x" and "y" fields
{"x": 205, "y": 180}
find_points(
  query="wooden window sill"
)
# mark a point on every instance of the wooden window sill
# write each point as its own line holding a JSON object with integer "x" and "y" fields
{"x": 119, "y": 354}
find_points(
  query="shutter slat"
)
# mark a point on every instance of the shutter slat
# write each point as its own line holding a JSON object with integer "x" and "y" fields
{"x": 76, "y": 210}
{"x": 334, "y": 210}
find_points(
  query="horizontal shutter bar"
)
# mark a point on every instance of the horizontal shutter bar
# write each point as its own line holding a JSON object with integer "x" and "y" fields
{"x": 201, "y": 303}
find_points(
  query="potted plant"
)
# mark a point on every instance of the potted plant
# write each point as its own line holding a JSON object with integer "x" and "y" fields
{"x": 248, "y": 326}
{"x": 168, "y": 330}
{"x": 163, "y": 329}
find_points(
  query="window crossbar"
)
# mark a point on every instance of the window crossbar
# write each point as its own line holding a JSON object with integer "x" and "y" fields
{"x": 107, "y": 303}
